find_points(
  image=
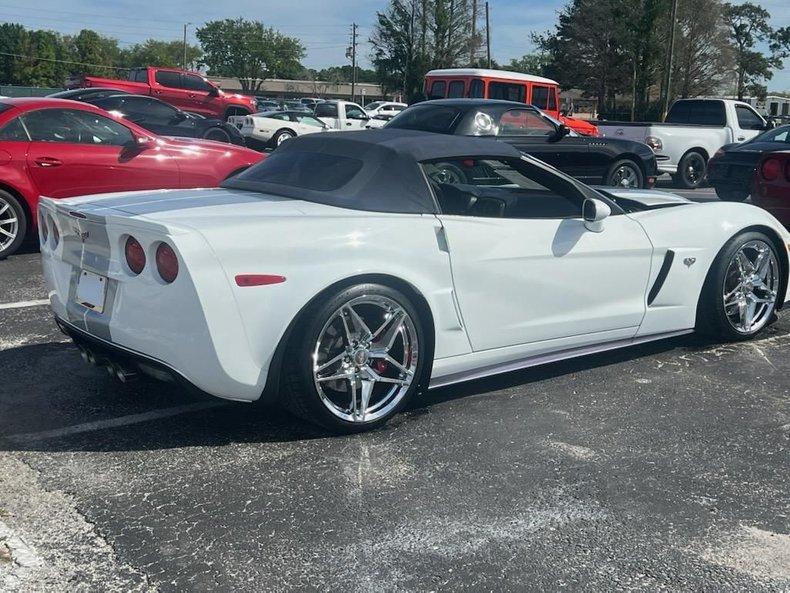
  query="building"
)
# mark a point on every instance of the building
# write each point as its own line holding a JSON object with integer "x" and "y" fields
{"x": 295, "y": 89}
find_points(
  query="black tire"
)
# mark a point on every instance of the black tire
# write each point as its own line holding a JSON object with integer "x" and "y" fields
{"x": 299, "y": 394}
{"x": 692, "y": 169}
{"x": 281, "y": 136}
{"x": 625, "y": 169}
{"x": 9, "y": 245}
{"x": 712, "y": 319}
{"x": 217, "y": 134}
{"x": 729, "y": 194}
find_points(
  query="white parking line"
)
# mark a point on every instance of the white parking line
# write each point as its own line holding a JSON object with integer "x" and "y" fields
{"x": 112, "y": 422}
{"x": 23, "y": 304}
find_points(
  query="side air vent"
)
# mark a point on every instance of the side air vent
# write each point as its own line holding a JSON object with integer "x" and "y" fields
{"x": 669, "y": 257}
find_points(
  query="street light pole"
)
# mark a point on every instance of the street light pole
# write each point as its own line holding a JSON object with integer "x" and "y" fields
{"x": 488, "y": 38}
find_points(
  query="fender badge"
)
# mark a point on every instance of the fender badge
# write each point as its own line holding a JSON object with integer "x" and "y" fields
{"x": 689, "y": 261}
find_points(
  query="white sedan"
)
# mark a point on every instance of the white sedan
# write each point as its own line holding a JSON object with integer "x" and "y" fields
{"x": 348, "y": 272}
{"x": 269, "y": 129}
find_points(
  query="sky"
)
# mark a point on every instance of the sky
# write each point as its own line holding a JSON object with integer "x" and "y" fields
{"x": 323, "y": 26}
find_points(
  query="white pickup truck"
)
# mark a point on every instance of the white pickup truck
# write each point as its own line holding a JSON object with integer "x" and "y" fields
{"x": 342, "y": 115}
{"x": 692, "y": 132}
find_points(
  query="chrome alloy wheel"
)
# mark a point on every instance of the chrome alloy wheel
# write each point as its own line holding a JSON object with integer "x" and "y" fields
{"x": 625, "y": 176}
{"x": 9, "y": 224}
{"x": 694, "y": 170}
{"x": 282, "y": 137}
{"x": 365, "y": 358}
{"x": 750, "y": 287}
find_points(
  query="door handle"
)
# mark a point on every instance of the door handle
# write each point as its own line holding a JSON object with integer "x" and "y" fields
{"x": 741, "y": 138}
{"x": 48, "y": 161}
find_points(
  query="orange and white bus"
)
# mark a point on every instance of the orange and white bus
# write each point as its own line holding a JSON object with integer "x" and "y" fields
{"x": 479, "y": 83}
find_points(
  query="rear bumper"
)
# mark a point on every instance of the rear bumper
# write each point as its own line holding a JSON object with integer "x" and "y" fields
{"x": 119, "y": 358}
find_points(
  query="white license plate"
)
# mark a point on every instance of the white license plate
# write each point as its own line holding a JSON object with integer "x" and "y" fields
{"x": 91, "y": 290}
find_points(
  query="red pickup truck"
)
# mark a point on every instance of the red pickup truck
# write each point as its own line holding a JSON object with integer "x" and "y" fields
{"x": 189, "y": 91}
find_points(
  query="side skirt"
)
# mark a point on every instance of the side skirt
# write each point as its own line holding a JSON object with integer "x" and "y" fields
{"x": 531, "y": 361}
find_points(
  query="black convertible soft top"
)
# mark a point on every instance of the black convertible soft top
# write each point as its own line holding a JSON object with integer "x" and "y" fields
{"x": 373, "y": 170}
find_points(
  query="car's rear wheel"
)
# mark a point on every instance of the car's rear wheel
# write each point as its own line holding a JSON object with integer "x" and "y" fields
{"x": 691, "y": 171}
{"x": 740, "y": 294}
{"x": 357, "y": 359}
{"x": 282, "y": 136}
{"x": 13, "y": 224}
{"x": 731, "y": 195}
{"x": 217, "y": 134}
{"x": 625, "y": 173}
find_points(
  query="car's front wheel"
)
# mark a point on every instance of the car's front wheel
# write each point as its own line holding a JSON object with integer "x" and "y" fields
{"x": 740, "y": 294}
{"x": 13, "y": 224}
{"x": 357, "y": 359}
{"x": 626, "y": 174}
{"x": 692, "y": 169}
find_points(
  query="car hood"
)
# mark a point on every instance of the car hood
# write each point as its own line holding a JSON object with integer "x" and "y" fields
{"x": 201, "y": 145}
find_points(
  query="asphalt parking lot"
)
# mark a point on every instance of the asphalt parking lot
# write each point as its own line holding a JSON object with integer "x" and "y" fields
{"x": 663, "y": 467}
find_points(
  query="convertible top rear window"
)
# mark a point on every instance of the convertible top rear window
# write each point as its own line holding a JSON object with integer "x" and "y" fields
{"x": 304, "y": 170}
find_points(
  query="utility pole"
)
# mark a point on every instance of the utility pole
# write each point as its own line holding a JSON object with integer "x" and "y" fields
{"x": 185, "y": 45}
{"x": 670, "y": 59}
{"x": 473, "y": 36}
{"x": 353, "y": 51}
{"x": 488, "y": 37}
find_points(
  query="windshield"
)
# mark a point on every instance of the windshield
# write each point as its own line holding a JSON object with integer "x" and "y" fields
{"x": 374, "y": 105}
{"x": 441, "y": 119}
{"x": 780, "y": 134}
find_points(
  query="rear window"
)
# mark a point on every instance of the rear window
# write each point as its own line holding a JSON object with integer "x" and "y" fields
{"x": 326, "y": 110}
{"x": 706, "y": 113}
{"x": 304, "y": 170}
{"x": 441, "y": 119}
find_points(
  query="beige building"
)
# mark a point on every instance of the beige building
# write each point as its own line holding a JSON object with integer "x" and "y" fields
{"x": 294, "y": 89}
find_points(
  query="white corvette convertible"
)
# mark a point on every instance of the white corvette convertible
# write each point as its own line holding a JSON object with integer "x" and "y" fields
{"x": 269, "y": 129}
{"x": 347, "y": 272}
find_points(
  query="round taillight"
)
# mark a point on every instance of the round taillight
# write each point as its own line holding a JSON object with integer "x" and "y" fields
{"x": 166, "y": 262}
{"x": 135, "y": 255}
{"x": 771, "y": 169}
{"x": 55, "y": 232}
{"x": 42, "y": 222}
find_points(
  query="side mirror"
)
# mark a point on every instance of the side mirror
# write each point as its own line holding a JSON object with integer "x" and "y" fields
{"x": 213, "y": 92}
{"x": 179, "y": 116}
{"x": 595, "y": 212}
{"x": 562, "y": 131}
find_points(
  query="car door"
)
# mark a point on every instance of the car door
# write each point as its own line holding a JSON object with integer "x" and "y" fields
{"x": 538, "y": 136}
{"x": 525, "y": 267}
{"x": 749, "y": 122}
{"x": 169, "y": 88}
{"x": 74, "y": 152}
{"x": 356, "y": 118}
{"x": 200, "y": 95}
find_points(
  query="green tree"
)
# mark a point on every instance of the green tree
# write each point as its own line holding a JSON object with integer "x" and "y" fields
{"x": 703, "y": 53}
{"x": 747, "y": 26}
{"x": 396, "y": 55}
{"x": 153, "y": 52}
{"x": 593, "y": 61}
{"x": 535, "y": 63}
{"x": 249, "y": 51}
{"x": 94, "y": 54}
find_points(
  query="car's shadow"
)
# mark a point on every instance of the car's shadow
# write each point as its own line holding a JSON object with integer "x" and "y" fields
{"x": 51, "y": 401}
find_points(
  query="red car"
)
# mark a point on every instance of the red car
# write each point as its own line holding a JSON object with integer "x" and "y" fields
{"x": 772, "y": 181}
{"x": 59, "y": 149}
